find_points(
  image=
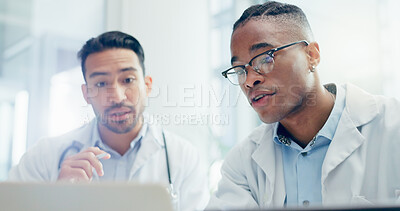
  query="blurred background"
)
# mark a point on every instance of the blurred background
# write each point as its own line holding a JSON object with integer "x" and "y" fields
{"x": 186, "y": 44}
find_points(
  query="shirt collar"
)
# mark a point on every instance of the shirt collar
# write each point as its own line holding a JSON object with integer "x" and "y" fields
{"x": 278, "y": 139}
{"x": 329, "y": 128}
{"x": 97, "y": 142}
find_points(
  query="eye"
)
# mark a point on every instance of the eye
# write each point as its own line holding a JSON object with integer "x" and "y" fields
{"x": 239, "y": 71}
{"x": 101, "y": 84}
{"x": 129, "y": 80}
{"x": 266, "y": 59}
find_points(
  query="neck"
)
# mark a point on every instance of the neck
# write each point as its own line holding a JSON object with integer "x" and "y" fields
{"x": 119, "y": 142}
{"x": 304, "y": 123}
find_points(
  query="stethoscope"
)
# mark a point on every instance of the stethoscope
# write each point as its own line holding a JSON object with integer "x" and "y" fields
{"x": 77, "y": 146}
{"x": 171, "y": 189}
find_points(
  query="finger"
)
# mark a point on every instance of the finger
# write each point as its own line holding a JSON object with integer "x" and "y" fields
{"x": 98, "y": 166}
{"x": 100, "y": 154}
{"x": 103, "y": 156}
{"x": 82, "y": 164}
{"x": 91, "y": 158}
{"x": 95, "y": 150}
{"x": 84, "y": 155}
{"x": 67, "y": 173}
{"x": 89, "y": 154}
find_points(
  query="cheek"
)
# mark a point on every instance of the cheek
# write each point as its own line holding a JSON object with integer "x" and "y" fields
{"x": 295, "y": 74}
{"x": 291, "y": 84}
{"x": 135, "y": 95}
{"x": 243, "y": 89}
{"x": 100, "y": 102}
{"x": 96, "y": 97}
{"x": 293, "y": 90}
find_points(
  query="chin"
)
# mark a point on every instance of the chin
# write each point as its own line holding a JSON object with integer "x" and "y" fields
{"x": 121, "y": 128}
{"x": 268, "y": 118}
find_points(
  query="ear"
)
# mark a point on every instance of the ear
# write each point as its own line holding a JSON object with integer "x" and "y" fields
{"x": 149, "y": 84}
{"x": 313, "y": 54}
{"x": 85, "y": 93}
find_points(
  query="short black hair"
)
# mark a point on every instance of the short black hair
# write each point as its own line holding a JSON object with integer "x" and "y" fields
{"x": 277, "y": 10}
{"x": 110, "y": 40}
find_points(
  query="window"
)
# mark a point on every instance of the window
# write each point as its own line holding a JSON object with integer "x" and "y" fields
{"x": 38, "y": 39}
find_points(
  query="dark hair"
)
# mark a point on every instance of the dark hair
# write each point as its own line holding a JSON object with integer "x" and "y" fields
{"x": 273, "y": 9}
{"x": 109, "y": 40}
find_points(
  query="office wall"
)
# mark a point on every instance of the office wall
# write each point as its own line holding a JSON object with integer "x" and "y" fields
{"x": 358, "y": 42}
{"x": 175, "y": 38}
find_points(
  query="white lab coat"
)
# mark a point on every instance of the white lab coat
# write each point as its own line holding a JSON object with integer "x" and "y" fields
{"x": 362, "y": 164}
{"x": 41, "y": 163}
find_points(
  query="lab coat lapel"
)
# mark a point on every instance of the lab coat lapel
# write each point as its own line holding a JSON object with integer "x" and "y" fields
{"x": 87, "y": 136}
{"x": 268, "y": 157}
{"x": 341, "y": 146}
{"x": 82, "y": 138}
{"x": 360, "y": 109}
{"x": 149, "y": 146}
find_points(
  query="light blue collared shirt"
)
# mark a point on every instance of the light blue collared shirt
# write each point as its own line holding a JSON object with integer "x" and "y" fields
{"x": 303, "y": 167}
{"x": 118, "y": 167}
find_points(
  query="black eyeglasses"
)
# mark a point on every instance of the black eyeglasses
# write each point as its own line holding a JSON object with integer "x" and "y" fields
{"x": 262, "y": 64}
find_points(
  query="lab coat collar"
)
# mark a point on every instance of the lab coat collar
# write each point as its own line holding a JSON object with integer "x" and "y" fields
{"x": 84, "y": 138}
{"x": 268, "y": 157}
{"x": 151, "y": 142}
{"x": 93, "y": 138}
{"x": 265, "y": 147}
{"x": 361, "y": 106}
{"x": 360, "y": 109}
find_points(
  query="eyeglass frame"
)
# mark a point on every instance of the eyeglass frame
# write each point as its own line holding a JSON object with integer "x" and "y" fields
{"x": 270, "y": 52}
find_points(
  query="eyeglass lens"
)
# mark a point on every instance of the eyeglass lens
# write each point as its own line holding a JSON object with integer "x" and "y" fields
{"x": 262, "y": 64}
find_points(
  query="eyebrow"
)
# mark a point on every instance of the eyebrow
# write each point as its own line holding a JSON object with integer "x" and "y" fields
{"x": 107, "y": 73}
{"x": 252, "y": 49}
{"x": 234, "y": 59}
{"x": 260, "y": 45}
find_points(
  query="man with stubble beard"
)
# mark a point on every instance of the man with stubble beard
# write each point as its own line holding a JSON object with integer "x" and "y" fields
{"x": 131, "y": 149}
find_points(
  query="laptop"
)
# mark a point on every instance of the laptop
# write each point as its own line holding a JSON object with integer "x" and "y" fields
{"x": 84, "y": 196}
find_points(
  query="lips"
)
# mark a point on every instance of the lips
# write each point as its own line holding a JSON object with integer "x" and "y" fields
{"x": 119, "y": 114}
{"x": 260, "y": 97}
{"x": 119, "y": 111}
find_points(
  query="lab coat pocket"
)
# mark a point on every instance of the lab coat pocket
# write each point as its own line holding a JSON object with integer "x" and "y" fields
{"x": 360, "y": 200}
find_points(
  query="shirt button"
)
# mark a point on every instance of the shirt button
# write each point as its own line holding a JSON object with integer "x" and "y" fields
{"x": 304, "y": 154}
{"x": 306, "y": 203}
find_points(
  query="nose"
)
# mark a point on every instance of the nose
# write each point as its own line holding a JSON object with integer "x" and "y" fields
{"x": 117, "y": 94}
{"x": 253, "y": 78}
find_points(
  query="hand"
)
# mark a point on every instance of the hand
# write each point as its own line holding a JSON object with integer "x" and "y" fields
{"x": 79, "y": 167}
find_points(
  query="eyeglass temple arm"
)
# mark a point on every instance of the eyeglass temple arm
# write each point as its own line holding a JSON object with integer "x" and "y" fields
{"x": 285, "y": 46}
{"x": 225, "y": 74}
{"x": 273, "y": 51}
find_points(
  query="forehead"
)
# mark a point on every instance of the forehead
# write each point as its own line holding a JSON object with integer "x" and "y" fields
{"x": 258, "y": 31}
{"x": 112, "y": 59}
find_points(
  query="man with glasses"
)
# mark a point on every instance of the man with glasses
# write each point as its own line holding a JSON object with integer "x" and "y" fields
{"x": 320, "y": 144}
